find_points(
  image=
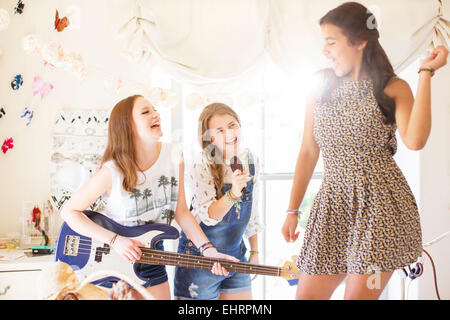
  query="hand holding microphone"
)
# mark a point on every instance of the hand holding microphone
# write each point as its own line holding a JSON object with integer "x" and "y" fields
{"x": 239, "y": 178}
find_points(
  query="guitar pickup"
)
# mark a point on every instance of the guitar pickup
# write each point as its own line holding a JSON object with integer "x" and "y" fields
{"x": 71, "y": 245}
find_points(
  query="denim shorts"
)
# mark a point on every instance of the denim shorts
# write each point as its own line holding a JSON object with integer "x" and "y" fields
{"x": 152, "y": 275}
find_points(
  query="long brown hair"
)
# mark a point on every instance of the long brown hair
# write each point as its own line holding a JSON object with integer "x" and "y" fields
{"x": 358, "y": 24}
{"x": 214, "y": 156}
{"x": 120, "y": 147}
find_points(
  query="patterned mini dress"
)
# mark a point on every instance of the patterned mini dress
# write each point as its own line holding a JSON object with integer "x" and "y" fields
{"x": 364, "y": 218}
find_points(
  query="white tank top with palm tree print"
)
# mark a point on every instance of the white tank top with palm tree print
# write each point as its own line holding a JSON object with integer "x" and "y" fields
{"x": 154, "y": 199}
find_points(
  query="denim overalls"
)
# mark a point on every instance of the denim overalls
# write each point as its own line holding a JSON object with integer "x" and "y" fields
{"x": 227, "y": 237}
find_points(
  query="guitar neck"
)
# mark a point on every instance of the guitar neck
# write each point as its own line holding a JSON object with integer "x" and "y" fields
{"x": 157, "y": 257}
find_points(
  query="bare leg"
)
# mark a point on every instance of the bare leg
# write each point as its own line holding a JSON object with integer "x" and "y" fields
{"x": 366, "y": 286}
{"x": 317, "y": 287}
{"x": 246, "y": 295}
{"x": 159, "y": 292}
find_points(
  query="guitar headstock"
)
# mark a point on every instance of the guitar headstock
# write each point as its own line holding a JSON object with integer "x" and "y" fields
{"x": 289, "y": 271}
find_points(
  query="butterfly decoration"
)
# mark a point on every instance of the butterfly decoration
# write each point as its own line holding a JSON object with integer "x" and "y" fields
{"x": 17, "y": 82}
{"x": 39, "y": 86}
{"x": 27, "y": 115}
{"x": 60, "y": 24}
{"x": 7, "y": 144}
{"x": 46, "y": 63}
{"x": 36, "y": 215}
{"x": 18, "y": 9}
{"x": 2, "y": 112}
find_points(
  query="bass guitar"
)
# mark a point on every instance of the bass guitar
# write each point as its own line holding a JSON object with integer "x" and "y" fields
{"x": 86, "y": 255}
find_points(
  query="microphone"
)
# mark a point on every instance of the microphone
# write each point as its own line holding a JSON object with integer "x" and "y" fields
{"x": 236, "y": 164}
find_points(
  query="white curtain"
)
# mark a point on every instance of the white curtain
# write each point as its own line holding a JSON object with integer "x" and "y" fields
{"x": 217, "y": 42}
{"x": 199, "y": 41}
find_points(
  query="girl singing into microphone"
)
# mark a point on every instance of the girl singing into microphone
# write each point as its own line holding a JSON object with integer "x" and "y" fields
{"x": 225, "y": 205}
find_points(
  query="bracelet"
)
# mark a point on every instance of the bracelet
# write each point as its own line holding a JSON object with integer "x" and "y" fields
{"x": 205, "y": 246}
{"x": 429, "y": 69}
{"x": 294, "y": 211}
{"x": 254, "y": 252}
{"x": 111, "y": 242}
{"x": 234, "y": 202}
{"x": 211, "y": 246}
{"x": 233, "y": 197}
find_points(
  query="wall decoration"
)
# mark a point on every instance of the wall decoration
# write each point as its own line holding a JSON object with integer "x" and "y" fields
{"x": 79, "y": 140}
{"x": 60, "y": 57}
{"x": 17, "y": 82}
{"x": 162, "y": 98}
{"x": 38, "y": 222}
{"x": 8, "y": 144}
{"x": 27, "y": 115}
{"x": 41, "y": 87}
{"x": 61, "y": 23}
{"x": 55, "y": 55}
{"x": 2, "y": 112}
{"x": 196, "y": 101}
{"x": 18, "y": 9}
{"x": 32, "y": 44}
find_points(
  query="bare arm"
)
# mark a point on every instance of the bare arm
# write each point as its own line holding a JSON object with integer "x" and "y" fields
{"x": 184, "y": 217}
{"x": 253, "y": 240}
{"x": 82, "y": 199}
{"x": 187, "y": 222}
{"x": 413, "y": 116}
{"x": 306, "y": 162}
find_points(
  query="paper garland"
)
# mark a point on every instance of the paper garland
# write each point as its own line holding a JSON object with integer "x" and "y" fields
{"x": 57, "y": 56}
{"x": 54, "y": 54}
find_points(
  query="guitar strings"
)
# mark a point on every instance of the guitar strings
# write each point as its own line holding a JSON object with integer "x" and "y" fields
{"x": 204, "y": 265}
{"x": 174, "y": 257}
{"x": 177, "y": 258}
{"x": 194, "y": 261}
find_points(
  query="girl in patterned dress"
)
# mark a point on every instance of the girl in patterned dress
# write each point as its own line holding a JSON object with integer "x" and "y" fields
{"x": 143, "y": 180}
{"x": 364, "y": 222}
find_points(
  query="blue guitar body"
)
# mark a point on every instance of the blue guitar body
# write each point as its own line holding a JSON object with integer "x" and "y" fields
{"x": 86, "y": 255}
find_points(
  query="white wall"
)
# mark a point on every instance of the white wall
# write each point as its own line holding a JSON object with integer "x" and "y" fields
{"x": 435, "y": 190}
{"x": 24, "y": 171}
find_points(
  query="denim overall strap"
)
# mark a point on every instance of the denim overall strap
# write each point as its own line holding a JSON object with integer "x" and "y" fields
{"x": 227, "y": 237}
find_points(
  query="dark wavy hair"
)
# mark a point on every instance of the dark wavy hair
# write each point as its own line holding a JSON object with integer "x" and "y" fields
{"x": 358, "y": 24}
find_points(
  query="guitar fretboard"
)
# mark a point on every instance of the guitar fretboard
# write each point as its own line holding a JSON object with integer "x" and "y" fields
{"x": 157, "y": 257}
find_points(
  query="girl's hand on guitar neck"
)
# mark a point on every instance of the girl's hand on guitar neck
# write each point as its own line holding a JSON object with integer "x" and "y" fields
{"x": 128, "y": 248}
{"x": 217, "y": 269}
